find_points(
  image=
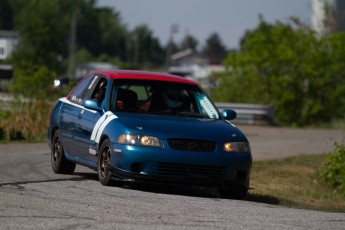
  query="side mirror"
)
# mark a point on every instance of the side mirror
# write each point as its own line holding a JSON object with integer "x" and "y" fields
{"x": 229, "y": 114}
{"x": 91, "y": 104}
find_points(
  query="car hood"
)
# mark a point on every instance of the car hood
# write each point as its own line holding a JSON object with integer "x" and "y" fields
{"x": 165, "y": 127}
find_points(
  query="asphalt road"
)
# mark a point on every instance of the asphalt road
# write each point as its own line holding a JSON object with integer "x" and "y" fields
{"x": 33, "y": 197}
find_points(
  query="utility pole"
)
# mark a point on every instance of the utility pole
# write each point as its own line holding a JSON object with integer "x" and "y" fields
{"x": 72, "y": 45}
{"x": 173, "y": 30}
{"x": 136, "y": 49}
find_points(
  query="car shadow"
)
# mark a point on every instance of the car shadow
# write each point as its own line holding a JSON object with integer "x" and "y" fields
{"x": 179, "y": 190}
{"x": 266, "y": 199}
{"x": 196, "y": 192}
{"x": 87, "y": 175}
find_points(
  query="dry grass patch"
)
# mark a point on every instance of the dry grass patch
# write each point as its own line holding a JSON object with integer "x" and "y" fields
{"x": 293, "y": 182}
{"x": 26, "y": 121}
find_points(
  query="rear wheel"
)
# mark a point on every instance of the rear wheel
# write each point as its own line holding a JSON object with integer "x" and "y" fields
{"x": 58, "y": 161}
{"x": 104, "y": 161}
{"x": 238, "y": 194}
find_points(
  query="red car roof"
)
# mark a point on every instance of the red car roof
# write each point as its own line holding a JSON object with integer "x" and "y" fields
{"x": 143, "y": 75}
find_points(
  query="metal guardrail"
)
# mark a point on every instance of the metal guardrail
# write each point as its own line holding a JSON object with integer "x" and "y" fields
{"x": 253, "y": 114}
{"x": 5, "y": 101}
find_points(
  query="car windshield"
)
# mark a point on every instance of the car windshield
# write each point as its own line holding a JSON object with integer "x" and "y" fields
{"x": 161, "y": 97}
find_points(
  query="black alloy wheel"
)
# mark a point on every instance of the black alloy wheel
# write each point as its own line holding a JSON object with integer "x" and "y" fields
{"x": 104, "y": 160}
{"x": 59, "y": 163}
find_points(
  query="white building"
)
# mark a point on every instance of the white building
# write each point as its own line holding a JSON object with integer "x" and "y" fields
{"x": 192, "y": 65}
{"x": 8, "y": 42}
{"x": 196, "y": 67}
{"x": 328, "y": 16}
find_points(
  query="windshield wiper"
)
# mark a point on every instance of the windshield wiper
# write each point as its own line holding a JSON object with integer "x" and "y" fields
{"x": 161, "y": 113}
{"x": 181, "y": 114}
{"x": 191, "y": 114}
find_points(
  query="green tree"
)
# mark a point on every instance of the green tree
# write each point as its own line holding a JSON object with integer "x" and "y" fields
{"x": 113, "y": 34}
{"x": 174, "y": 48}
{"x": 301, "y": 75}
{"x": 214, "y": 48}
{"x": 83, "y": 56}
{"x": 101, "y": 31}
{"x": 42, "y": 27}
{"x": 45, "y": 27}
{"x": 145, "y": 48}
{"x": 189, "y": 42}
{"x": 34, "y": 82}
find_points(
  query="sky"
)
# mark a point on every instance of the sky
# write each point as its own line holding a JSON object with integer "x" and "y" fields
{"x": 200, "y": 18}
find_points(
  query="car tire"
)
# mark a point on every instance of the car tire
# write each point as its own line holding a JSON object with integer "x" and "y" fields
{"x": 237, "y": 194}
{"x": 60, "y": 164}
{"x": 104, "y": 159}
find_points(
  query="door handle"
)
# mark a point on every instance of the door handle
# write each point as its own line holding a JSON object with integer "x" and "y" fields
{"x": 81, "y": 114}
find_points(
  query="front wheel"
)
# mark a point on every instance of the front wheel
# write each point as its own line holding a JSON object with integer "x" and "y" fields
{"x": 58, "y": 161}
{"x": 104, "y": 160}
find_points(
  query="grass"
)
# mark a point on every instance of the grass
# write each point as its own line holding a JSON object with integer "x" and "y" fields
{"x": 292, "y": 182}
{"x": 25, "y": 122}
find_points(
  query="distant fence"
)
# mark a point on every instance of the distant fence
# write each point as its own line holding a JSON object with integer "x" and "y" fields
{"x": 252, "y": 114}
{"x": 5, "y": 101}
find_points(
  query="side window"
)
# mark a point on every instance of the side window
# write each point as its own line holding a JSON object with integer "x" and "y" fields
{"x": 127, "y": 97}
{"x": 82, "y": 89}
{"x": 141, "y": 91}
{"x": 99, "y": 90}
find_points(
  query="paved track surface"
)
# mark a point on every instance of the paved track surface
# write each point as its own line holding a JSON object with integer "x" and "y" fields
{"x": 33, "y": 197}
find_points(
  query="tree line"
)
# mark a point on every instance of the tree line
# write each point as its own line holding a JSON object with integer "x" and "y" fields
{"x": 47, "y": 28}
{"x": 290, "y": 67}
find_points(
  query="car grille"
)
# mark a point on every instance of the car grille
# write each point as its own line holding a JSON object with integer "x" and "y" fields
{"x": 192, "y": 145}
{"x": 188, "y": 170}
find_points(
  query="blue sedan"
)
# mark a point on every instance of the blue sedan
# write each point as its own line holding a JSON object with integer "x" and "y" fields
{"x": 152, "y": 127}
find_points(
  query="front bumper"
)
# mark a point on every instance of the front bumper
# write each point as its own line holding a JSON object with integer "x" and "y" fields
{"x": 159, "y": 165}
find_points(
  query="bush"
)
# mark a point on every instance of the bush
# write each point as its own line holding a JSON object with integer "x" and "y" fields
{"x": 34, "y": 82}
{"x": 333, "y": 170}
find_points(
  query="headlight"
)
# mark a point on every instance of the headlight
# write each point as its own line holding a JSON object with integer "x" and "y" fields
{"x": 238, "y": 147}
{"x": 142, "y": 140}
